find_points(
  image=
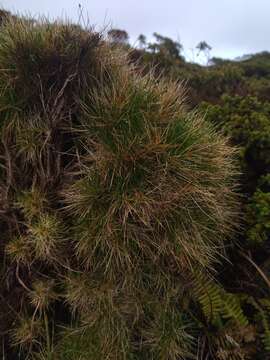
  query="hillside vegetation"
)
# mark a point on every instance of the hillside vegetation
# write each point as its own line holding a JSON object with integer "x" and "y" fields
{"x": 135, "y": 210}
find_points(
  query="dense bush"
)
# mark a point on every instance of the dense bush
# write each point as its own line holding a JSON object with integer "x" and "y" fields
{"x": 247, "y": 121}
{"x": 116, "y": 205}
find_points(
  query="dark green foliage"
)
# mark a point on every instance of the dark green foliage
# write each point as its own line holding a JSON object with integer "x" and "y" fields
{"x": 258, "y": 213}
{"x": 247, "y": 120}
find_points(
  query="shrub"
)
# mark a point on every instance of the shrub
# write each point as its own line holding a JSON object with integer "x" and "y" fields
{"x": 115, "y": 199}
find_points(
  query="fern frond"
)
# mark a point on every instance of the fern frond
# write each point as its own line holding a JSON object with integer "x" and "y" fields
{"x": 264, "y": 316}
{"x": 216, "y": 303}
{"x": 232, "y": 309}
{"x": 208, "y": 294}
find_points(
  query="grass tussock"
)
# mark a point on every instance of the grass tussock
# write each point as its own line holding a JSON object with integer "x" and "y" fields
{"x": 115, "y": 195}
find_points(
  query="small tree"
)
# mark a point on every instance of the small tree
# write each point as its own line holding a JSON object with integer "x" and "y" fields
{"x": 204, "y": 48}
{"x": 118, "y": 36}
{"x": 166, "y": 46}
{"x": 142, "y": 41}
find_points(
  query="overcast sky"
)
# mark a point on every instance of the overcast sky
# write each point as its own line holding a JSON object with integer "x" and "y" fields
{"x": 231, "y": 27}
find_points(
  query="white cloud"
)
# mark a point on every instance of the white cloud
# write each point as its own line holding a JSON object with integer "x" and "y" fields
{"x": 231, "y": 27}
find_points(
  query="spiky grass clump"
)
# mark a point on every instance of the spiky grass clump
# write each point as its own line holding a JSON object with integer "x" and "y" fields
{"x": 115, "y": 196}
{"x": 157, "y": 184}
